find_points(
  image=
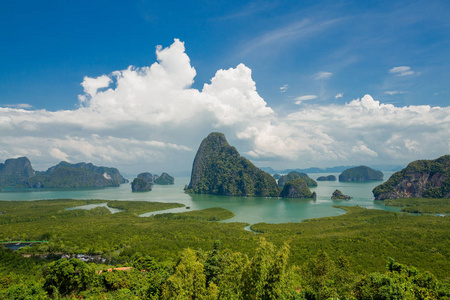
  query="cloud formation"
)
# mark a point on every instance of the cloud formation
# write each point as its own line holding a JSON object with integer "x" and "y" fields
{"x": 305, "y": 98}
{"x": 151, "y": 119}
{"x": 284, "y": 88}
{"x": 401, "y": 71}
{"x": 323, "y": 75}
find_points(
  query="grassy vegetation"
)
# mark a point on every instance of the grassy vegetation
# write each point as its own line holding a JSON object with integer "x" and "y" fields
{"x": 346, "y": 255}
{"x": 366, "y": 237}
{"x": 421, "y": 205}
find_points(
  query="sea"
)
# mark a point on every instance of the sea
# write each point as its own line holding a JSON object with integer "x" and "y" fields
{"x": 246, "y": 209}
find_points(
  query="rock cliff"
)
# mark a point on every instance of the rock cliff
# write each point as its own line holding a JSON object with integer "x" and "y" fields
{"x": 15, "y": 170}
{"x": 421, "y": 178}
{"x": 219, "y": 169}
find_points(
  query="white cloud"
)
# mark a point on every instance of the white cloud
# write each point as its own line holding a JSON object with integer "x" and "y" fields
{"x": 340, "y": 95}
{"x": 305, "y": 98}
{"x": 20, "y": 106}
{"x": 401, "y": 71}
{"x": 284, "y": 88}
{"x": 323, "y": 75}
{"x": 392, "y": 93}
{"x": 152, "y": 119}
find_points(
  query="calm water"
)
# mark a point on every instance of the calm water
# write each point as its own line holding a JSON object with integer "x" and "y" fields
{"x": 251, "y": 210}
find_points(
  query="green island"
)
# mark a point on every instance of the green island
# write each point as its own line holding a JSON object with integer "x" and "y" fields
{"x": 363, "y": 254}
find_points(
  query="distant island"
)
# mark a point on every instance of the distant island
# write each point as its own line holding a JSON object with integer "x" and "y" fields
{"x": 19, "y": 173}
{"x": 294, "y": 175}
{"x": 144, "y": 181}
{"x": 360, "y": 174}
{"x": 327, "y": 178}
{"x": 421, "y": 178}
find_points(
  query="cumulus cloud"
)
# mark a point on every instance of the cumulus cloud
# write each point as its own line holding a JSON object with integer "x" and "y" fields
{"x": 150, "y": 118}
{"x": 323, "y": 75}
{"x": 300, "y": 99}
{"x": 401, "y": 71}
{"x": 340, "y": 95}
{"x": 284, "y": 88}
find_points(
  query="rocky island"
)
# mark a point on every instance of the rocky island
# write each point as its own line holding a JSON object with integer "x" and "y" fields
{"x": 19, "y": 173}
{"x": 144, "y": 181}
{"x": 218, "y": 169}
{"x": 295, "y": 175}
{"x": 360, "y": 174}
{"x": 297, "y": 188}
{"x": 327, "y": 178}
{"x": 421, "y": 178}
{"x": 337, "y": 195}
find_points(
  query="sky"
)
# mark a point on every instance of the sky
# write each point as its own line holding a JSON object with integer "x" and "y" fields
{"x": 137, "y": 85}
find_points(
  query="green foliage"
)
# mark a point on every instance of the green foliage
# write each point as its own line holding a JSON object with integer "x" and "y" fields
{"x": 421, "y": 205}
{"x": 361, "y": 173}
{"x": 65, "y": 277}
{"x": 296, "y": 175}
{"x": 219, "y": 169}
{"x": 208, "y": 214}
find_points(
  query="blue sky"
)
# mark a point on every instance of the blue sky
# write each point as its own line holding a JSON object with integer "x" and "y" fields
{"x": 307, "y": 59}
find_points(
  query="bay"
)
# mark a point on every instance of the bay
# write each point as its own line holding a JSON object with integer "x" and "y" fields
{"x": 246, "y": 209}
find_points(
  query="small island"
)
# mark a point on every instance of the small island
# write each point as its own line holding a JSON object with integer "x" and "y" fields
{"x": 327, "y": 178}
{"x": 140, "y": 185}
{"x": 337, "y": 195}
{"x": 297, "y": 188}
{"x": 144, "y": 181}
{"x": 360, "y": 174}
{"x": 294, "y": 175}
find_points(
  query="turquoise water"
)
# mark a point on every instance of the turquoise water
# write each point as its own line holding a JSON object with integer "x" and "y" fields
{"x": 250, "y": 209}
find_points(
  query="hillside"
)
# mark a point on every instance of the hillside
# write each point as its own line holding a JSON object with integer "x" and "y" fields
{"x": 420, "y": 179}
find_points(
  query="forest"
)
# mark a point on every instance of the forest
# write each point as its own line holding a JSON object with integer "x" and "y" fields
{"x": 363, "y": 254}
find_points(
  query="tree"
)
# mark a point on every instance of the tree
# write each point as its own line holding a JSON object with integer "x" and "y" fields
{"x": 68, "y": 276}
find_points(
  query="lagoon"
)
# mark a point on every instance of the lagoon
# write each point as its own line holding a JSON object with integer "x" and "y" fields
{"x": 246, "y": 209}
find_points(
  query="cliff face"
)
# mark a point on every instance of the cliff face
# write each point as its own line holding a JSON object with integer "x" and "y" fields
{"x": 14, "y": 171}
{"x": 219, "y": 169}
{"x": 361, "y": 173}
{"x": 421, "y": 178}
{"x": 297, "y": 188}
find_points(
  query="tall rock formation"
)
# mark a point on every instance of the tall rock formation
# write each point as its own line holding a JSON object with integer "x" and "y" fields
{"x": 421, "y": 178}
{"x": 15, "y": 170}
{"x": 218, "y": 169}
{"x": 294, "y": 175}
